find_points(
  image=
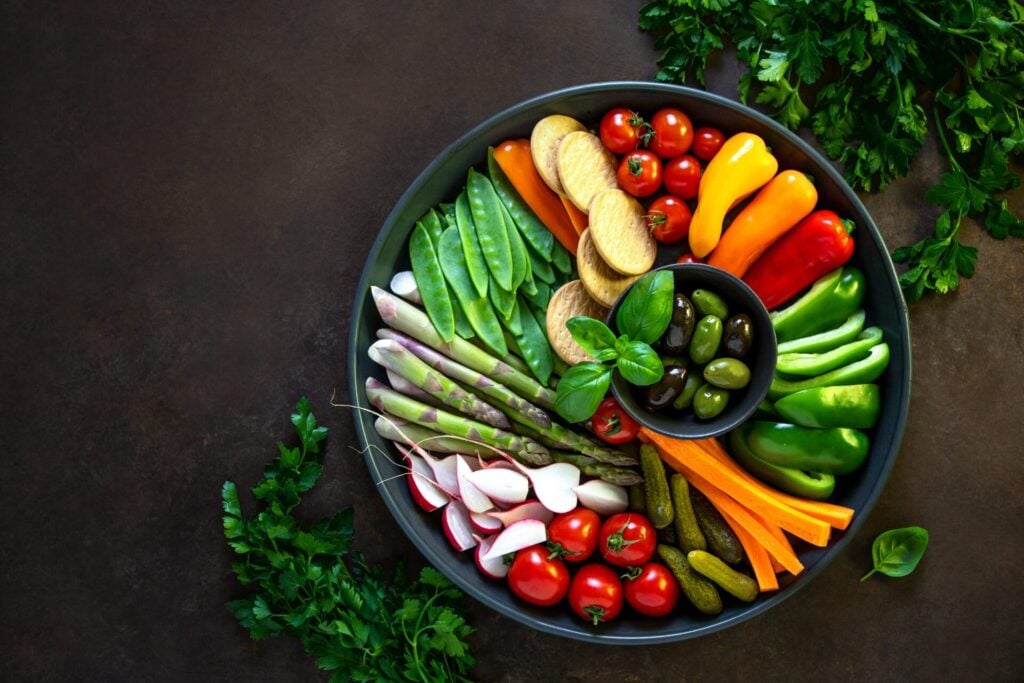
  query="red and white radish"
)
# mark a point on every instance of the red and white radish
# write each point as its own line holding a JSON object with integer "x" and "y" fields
{"x": 474, "y": 499}
{"x": 520, "y": 535}
{"x": 553, "y": 485}
{"x": 404, "y": 285}
{"x": 531, "y": 509}
{"x": 492, "y": 568}
{"x": 484, "y": 523}
{"x": 501, "y": 485}
{"x": 602, "y": 497}
{"x": 445, "y": 474}
{"x": 457, "y": 526}
{"x": 424, "y": 491}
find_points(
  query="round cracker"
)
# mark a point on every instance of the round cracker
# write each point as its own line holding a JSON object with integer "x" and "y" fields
{"x": 544, "y": 143}
{"x": 585, "y": 168}
{"x": 569, "y": 301}
{"x": 619, "y": 231}
{"x": 602, "y": 283}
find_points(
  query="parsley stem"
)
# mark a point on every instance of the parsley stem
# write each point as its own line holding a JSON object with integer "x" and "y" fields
{"x": 965, "y": 32}
{"x": 942, "y": 137}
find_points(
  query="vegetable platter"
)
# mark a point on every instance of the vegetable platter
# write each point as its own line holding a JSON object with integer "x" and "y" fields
{"x": 439, "y": 186}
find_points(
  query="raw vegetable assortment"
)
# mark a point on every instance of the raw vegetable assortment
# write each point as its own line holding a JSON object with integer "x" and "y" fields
{"x": 508, "y": 345}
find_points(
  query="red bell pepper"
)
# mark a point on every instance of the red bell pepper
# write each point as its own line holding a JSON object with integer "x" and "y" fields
{"x": 818, "y": 245}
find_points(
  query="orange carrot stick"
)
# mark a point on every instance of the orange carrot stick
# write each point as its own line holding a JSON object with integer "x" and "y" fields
{"x": 578, "y": 218}
{"x": 778, "y": 533}
{"x": 760, "y": 560}
{"x": 516, "y": 161}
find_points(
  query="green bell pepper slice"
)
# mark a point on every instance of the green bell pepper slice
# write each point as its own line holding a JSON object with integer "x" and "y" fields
{"x": 859, "y": 372}
{"x": 833, "y": 451}
{"x": 856, "y": 406}
{"x": 813, "y": 364}
{"x": 812, "y": 485}
{"x": 828, "y": 303}
{"x": 829, "y": 339}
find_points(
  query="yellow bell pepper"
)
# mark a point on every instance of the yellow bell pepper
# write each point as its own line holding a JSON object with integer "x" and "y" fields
{"x": 740, "y": 168}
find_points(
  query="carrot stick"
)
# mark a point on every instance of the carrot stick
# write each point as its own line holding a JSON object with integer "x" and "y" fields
{"x": 760, "y": 560}
{"x": 686, "y": 456}
{"x": 516, "y": 161}
{"x": 837, "y": 516}
{"x": 578, "y": 218}
{"x": 778, "y": 533}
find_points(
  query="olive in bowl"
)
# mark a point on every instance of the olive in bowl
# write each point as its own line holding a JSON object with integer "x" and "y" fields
{"x": 719, "y": 356}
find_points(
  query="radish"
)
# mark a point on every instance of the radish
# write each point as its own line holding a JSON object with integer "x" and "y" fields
{"x": 424, "y": 491}
{"x": 602, "y": 497}
{"x": 500, "y": 464}
{"x": 522, "y": 534}
{"x": 472, "y": 497}
{"x": 501, "y": 485}
{"x": 404, "y": 285}
{"x": 484, "y": 523}
{"x": 457, "y": 527}
{"x": 494, "y": 568}
{"x": 445, "y": 475}
{"x": 531, "y": 509}
{"x": 553, "y": 485}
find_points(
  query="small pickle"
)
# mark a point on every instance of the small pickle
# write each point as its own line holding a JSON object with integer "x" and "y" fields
{"x": 721, "y": 539}
{"x": 740, "y": 586}
{"x": 688, "y": 532}
{"x": 706, "y": 338}
{"x": 694, "y": 381}
{"x": 698, "y": 590}
{"x": 738, "y": 336}
{"x": 680, "y": 328}
{"x": 727, "y": 373}
{"x": 708, "y": 303}
{"x": 709, "y": 401}
{"x": 637, "y": 502}
{"x": 656, "y": 493}
{"x": 662, "y": 393}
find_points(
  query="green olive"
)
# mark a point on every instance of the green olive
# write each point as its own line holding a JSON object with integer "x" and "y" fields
{"x": 706, "y": 338}
{"x": 738, "y": 336}
{"x": 709, "y": 401}
{"x": 727, "y": 373}
{"x": 694, "y": 381}
{"x": 708, "y": 303}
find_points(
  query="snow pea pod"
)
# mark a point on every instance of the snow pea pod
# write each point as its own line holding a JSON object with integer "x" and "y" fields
{"x": 829, "y": 339}
{"x": 533, "y": 230}
{"x": 426, "y": 269}
{"x": 834, "y": 451}
{"x": 490, "y": 228}
{"x": 854, "y": 405}
{"x": 828, "y": 303}
{"x": 477, "y": 309}
{"x": 540, "y": 268}
{"x": 502, "y": 300}
{"x": 470, "y": 245}
{"x": 812, "y": 364}
{"x": 521, "y": 270}
{"x": 434, "y": 225}
{"x": 860, "y": 372}
{"x": 813, "y": 485}
{"x": 533, "y": 343}
{"x": 560, "y": 259}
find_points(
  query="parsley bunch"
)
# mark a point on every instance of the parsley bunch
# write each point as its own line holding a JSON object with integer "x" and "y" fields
{"x": 354, "y": 618}
{"x": 861, "y": 74}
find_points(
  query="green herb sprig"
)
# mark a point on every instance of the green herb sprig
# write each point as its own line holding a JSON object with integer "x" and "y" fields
{"x": 861, "y": 74}
{"x": 351, "y": 616}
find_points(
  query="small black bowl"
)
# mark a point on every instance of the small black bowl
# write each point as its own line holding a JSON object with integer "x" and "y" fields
{"x": 742, "y": 402}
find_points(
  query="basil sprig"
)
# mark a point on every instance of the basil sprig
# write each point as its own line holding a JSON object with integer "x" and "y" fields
{"x": 897, "y": 552}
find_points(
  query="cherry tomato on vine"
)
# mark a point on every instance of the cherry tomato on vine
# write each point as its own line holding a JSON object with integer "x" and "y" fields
{"x": 623, "y": 130}
{"x": 536, "y": 578}
{"x": 612, "y": 424}
{"x": 627, "y": 539}
{"x": 673, "y": 133}
{"x": 682, "y": 176}
{"x": 596, "y": 593}
{"x": 640, "y": 173}
{"x": 689, "y": 258}
{"x": 669, "y": 219}
{"x": 707, "y": 142}
{"x": 573, "y": 535}
{"x": 651, "y": 589}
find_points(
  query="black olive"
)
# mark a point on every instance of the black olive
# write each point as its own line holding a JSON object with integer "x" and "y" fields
{"x": 665, "y": 390}
{"x": 738, "y": 336}
{"x": 676, "y": 339}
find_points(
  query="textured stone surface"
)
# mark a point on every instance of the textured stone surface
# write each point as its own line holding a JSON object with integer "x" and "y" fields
{"x": 189, "y": 191}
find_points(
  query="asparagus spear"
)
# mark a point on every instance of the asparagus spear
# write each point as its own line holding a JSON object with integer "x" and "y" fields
{"x": 593, "y": 468}
{"x": 519, "y": 409}
{"x": 397, "y": 429}
{"x": 560, "y": 437}
{"x": 388, "y": 400}
{"x": 400, "y": 360}
{"x": 407, "y": 318}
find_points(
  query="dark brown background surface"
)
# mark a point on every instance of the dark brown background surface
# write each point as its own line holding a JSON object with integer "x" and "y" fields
{"x": 189, "y": 192}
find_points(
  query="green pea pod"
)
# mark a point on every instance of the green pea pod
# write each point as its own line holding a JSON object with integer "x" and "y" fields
{"x": 434, "y": 225}
{"x": 447, "y": 214}
{"x": 462, "y": 326}
{"x": 856, "y": 405}
{"x": 532, "y": 341}
{"x": 426, "y": 268}
{"x": 490, "y": 228}
{"x": 502, "y": 300}
{"x": 859, "y": 372}
{"x": 540, "y": 297}
{"x": 813, "y": 364}
{"x": 470, "y": 245}
{"x": 561, "y": 259}
{"x": 477, "y": 309}
{"x": 812, "y": 485}
{"x": 533, "y": 230}
{"x": 521, "y": 269}
{"x": 827, "y": 340}
{"x": 827, "y": 304}
{"x": 541, "y": 269}
{"x": 832, "y": 451}
{"x": 529, "y": 286}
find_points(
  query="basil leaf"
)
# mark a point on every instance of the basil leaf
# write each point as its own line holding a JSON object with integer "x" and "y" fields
{"x": 581, "y": 390}
{"x": 897, "y": 551}
{"x": 593, "y": 335}
{"x": 647, "y": 310}
{"x": 640, "y": 365}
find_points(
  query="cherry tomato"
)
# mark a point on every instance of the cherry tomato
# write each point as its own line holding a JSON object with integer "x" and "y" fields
{"x": 627, "y": 539}
{"x": 596, "y": 593}
{"x": 682, "y": 176}
{"x": 707, "y": 142}
{"x": 573, "y": 535}
{"x": 536, "y": 578}
{"x": 623, "y": 130}
{"x": 651, "y": 589}
{"x": 669, "y": 218}
{"x": 612, "y": 424}
{"x": 673, "y": 133}
{"x": 640, "y": 173}
{"x": 689, "y": 258}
